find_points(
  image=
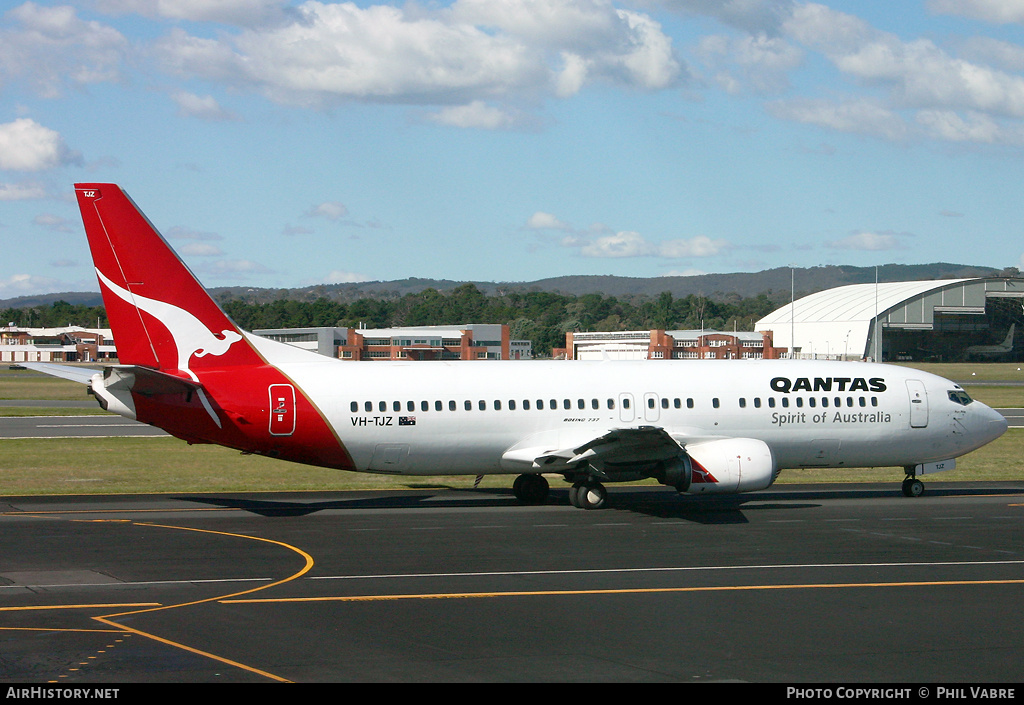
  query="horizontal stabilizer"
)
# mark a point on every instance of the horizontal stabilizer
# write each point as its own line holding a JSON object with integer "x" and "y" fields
{"x": 82, "y": 375}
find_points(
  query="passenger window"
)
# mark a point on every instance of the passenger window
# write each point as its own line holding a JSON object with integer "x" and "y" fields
{"x": 771, "y": 402}
{"x": 595, "y": 404}
{"x": 800, "y": 401}
{"x": 396, "y": 406}
{"x": 664, "y": 402}
{"x": 757, "y": 402}
{"x": 368, "y": 406}
{"x": 354, "y": 406}
{"x": 874, "y": 401}
{"x": 743, "y": 403}
{"x": 540, "y": 405}
{"x": 611, "y": 403}
{"x": 677, "y": 403}
{"x": 482, "y": 405}
{"x": 565, "y": 404}
{"x": 689, "y": 403}
{"x": 410, "y": 406}
{"x": 625, "y": 402}
{"x": 812, "y": 402}
{"x": 526, "y": 404}
{"x": 862, "y": 401}
{"x": 424, "y": 406}
{"x": 650, "y": 402}
{"x": 497, "y": 404}
{"x": 714, "y": 402}
{"x": 438, "y": 406}
{"x": 451, "y": 405}
{"x": 785, "y": 402}
{"x": 581, "y": 403}
{"x": 468, "y": 405}
{"x": 511, "y": 404}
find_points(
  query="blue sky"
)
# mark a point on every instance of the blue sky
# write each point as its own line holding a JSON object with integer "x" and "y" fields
{"x": 282, "y": 144}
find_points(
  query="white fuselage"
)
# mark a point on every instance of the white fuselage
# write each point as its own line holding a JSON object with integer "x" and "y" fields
{"x": 463, "y": 417}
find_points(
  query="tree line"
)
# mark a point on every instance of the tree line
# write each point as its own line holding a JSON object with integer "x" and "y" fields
{"x": 543, "y": 317}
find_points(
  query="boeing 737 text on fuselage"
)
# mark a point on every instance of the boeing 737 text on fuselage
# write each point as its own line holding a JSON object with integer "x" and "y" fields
{"x": 702, "y": 427}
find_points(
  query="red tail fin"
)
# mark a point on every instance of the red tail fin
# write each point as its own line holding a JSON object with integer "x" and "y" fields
{"x": 161, "y": 315}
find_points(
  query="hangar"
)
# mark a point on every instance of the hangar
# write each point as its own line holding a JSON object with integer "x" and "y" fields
{"x": 942, "y": 321}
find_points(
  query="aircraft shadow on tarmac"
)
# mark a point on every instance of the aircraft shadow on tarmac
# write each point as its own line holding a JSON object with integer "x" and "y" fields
{"x": 663, "y": 504}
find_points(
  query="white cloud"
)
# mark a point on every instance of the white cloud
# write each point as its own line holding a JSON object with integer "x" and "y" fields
{"x": 859, "y": 116}
{"x": 469, "y": 52}
{"x": 546, "y": 221}
{"x": 51, "y": 47}
{"x": 867, "y": 241}
{"x": 759, "y": 63}
{"x": 21, "y": 192}
{"x": 997, "y": 11}
{"x": 53, "y": 222}
{"x": 331, "y": 210}
{"x": 951, "y": 98}
{"x": 202, "y": 107}
{"x": 25, "y": 145}
{"x": 340, "y": 276}
{"x": 632, "y": 244}
{"x": 476, "y": 114}
{"x": 27, "y": 284}
{"x": 236, "y": 12}
{"x": 200, "y": 249}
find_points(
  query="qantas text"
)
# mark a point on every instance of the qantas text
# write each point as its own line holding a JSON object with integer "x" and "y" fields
{"x": 785, "y": 385}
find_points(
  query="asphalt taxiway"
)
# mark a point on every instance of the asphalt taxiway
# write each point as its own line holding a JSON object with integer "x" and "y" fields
{"x": 794, "y": 584}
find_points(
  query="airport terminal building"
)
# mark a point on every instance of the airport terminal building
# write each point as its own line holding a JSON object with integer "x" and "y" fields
{"x": 472, "y": 341}
{"x": 669, "y": 345}
{"x": 68, "y": 344}
{"x": 941, "y": 321}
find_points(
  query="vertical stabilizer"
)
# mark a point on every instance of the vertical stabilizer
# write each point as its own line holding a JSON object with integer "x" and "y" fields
{"x": 161, "y": 315}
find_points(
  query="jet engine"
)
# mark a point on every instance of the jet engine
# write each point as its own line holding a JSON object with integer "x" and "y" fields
{"x": 726, "y": 466}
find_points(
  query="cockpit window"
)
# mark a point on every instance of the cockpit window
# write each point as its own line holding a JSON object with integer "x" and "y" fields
{"x": 959, "y": 397}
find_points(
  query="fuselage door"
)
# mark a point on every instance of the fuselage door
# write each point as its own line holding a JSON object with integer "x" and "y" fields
{"x": 651, "y": 412}
{"x": 918, "y": 403}
{"x": 282, "y": 410}
{"x": 626, "y": 410}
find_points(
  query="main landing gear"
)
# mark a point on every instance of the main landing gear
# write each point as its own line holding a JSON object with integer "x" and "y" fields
{"x": 585, "y": 493}
{"x": 588, "y": 494}
{"x": 531, "y": 489}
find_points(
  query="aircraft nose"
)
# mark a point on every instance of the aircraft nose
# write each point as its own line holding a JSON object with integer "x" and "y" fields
{"x": 991, "y": 423}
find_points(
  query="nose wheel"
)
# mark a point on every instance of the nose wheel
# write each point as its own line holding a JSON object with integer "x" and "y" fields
{"x": 912, "y": 487}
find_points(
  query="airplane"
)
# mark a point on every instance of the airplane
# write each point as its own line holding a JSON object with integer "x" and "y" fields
{"x": 992, "y": 350}
{"x": 701, "y": 426}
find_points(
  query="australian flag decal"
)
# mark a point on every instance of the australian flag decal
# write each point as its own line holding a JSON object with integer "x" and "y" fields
{"x": 406, "y": 420}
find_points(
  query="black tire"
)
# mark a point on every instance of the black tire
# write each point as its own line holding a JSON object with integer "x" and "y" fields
{"x": 912, "y": 487}
{"x": 591, "y": 495}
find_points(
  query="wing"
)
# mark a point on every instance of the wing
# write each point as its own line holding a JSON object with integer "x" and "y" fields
{"x": 618, "y": 448}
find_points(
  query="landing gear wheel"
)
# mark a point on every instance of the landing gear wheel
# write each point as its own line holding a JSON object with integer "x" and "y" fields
{"x": 588, "y": 495}
{"x": 912, "y": 487}
{"x": 530, "y": 489}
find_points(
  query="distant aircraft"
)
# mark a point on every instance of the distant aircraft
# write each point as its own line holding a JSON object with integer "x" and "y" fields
{"x": 1003, "y": 348}
{"x": 702, "y": 427}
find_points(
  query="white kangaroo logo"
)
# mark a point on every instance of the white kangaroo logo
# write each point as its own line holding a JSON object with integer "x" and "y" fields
{"x": 191, "y": 336}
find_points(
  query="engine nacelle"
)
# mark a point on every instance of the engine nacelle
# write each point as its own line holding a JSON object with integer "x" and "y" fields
{"x": 731, "y": 465}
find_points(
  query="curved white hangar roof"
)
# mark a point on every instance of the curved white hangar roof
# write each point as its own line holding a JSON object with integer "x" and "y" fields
{"x": 838, "y": 322}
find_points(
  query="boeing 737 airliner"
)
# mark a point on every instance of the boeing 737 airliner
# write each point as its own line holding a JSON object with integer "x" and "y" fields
{"x": 699, "y": 426}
